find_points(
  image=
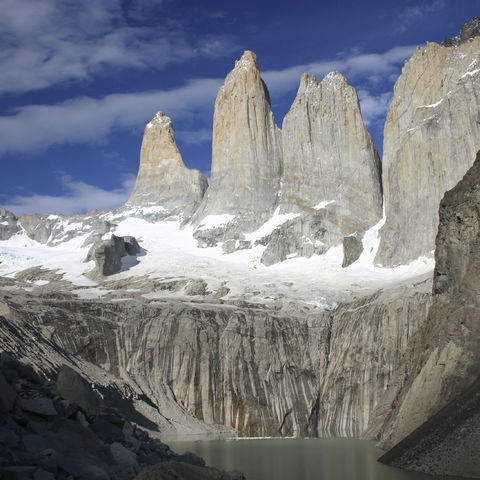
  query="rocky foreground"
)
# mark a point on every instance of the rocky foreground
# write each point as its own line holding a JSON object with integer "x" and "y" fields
{"x": 65, "y": 429}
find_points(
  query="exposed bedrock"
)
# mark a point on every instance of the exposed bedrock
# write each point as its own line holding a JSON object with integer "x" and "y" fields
{"x": 8, "y": 224}
{"x": 432, "y": 134}
{"x": 163, "y": 179}
{"x": 246, "y": 367}
{"x": 328, "y": 156}
{"x": 246, "y": 149}
{"x": 442, "y": 360}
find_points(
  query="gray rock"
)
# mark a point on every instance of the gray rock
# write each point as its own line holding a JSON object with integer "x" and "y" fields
{"x": 246, "y": 148}
{"x": 18, "y": 472}
{"x": 196, "y": 287}
{"x": 352, "y": 249}
{"x": 447, "y": 443}
{"x": 469, "y": 31}
{"x": 123, "y": 456}
{"x": 41, "y": 474}
{"x": 72, "y": 386}
{"x": 8, "y": 224}
{"x": 34, "y": 443}
{"x": 442, "y": 359}
{"x": 431, "y": 138}
{"x": 181, "y": 471}
{"x": 108, "y": 254}
{"x": 163, "y": 180}
{"x": 328, "y": 155}
{"x": 7, "y": 395}
{"x": 40, "y": 405}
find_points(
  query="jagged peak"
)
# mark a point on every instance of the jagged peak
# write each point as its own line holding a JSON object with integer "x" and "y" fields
{"x": 308, "y": 81}
{"x": 160, "y": 119}
{"x": 247, "y": 61}
{"x": 468, "y": 32}
{"x": 334, "y": 77}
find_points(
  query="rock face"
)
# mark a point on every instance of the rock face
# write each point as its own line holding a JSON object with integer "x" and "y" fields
{"x": 328, "y": 156}
{"x": 163, "y": 180}
{"x": 8, "y": 224}
{"x": 352, "y": 249}
{"x": 246, "y": 150}
{"x": 108, "y": 254}
{"x": 243, "y": 366}
{"x": 432, "y": 134}
{"x": 442, "y": 359}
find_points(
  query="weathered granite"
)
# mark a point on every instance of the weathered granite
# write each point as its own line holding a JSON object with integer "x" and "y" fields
{"x": 442, "y": 361}
{"x": 246, "y": 149}
{"x": 163, "y": 180}
{"x": 328, "y": 155}
{"x": 468, "y": 31}
{"x": 431, "y": 136}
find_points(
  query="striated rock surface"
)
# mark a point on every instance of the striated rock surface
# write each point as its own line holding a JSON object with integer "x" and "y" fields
{"x": 246, "y": 150}
{"x": 432, "y": 134}
{"x": 328, "y": 156}
{"x": 163, "y": 180}
{"x": 265, "y": 373}
{"x": 442, "y": 360}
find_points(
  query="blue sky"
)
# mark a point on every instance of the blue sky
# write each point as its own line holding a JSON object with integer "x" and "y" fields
{"x": 80, "y": 79}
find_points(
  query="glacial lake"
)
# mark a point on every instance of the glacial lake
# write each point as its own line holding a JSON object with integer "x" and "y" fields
{"x": 298, "y": 459}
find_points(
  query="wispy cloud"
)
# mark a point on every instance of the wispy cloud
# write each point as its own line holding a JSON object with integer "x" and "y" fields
{"x": 414, "y": 13}
{"x": 374, "y": 106}
{"x": 88, "y": 120}
{"x": 367, "y": 67}
{"x": 79, "y": 197}
{"x": 50, "y": 42}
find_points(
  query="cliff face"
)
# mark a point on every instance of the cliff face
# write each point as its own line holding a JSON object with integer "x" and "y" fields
{"x": 246, "y": 149}
{"x": 431, "y": 136}
{"x": 328, "y": 156}
{"x": 442, "y": 359}
{"x": 163, "y": 180}
{"x": 246, "y": 367}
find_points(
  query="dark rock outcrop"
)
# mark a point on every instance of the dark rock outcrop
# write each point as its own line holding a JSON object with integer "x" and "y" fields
{"x": 8, "y": 224}
{"x": 108, "y": 254}
{"x": 442, "y": 359}
{"x": 352, "y": 249}
{"x": 468, "y": 31}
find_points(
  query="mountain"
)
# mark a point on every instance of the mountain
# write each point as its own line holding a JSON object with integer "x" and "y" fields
{"x": 432, "y": 134}
{"x": 163, "y": 180}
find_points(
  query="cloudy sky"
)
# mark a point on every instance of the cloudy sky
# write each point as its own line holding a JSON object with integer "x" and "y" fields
{"x": 81, "y": 78}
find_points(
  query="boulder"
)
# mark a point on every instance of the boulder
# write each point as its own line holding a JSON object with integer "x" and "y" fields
{"x": 7, "y": 395}
{"x": 72, "y": 386}
{"x": 40, "y": 405}
{"x": 352, "y": 249}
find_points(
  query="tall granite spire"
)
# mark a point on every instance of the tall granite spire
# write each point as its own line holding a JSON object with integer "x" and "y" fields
{"x": 328, "y": 156}
{"x": 246, "y": 151}
{"x": 432, "y": 133}
{"x": 163, "y": 179}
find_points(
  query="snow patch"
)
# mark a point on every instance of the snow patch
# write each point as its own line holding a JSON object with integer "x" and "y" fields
{"x": 470, "y": 74}
{"x": 270, "y": 225}
{"x": 433, "y": 105}
{"x": 215, "y": 221}
{"x": 323, "y": 204}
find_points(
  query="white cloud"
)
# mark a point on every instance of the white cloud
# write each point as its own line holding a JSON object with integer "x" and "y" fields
{"x": 49, "y": 42}
{"x": 415, "y": 13}
{"x": 367, "y": 67}
{"x": 374, "y": 107}
{"x": 79, "y": 197}
{"x": 87, "y": 119}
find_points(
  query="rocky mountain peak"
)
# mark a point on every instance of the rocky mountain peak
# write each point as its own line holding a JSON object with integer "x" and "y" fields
{"x": 247, "y": 61}
{"x": 468, "y": 31}
{"x": 163, "y": 179}
{"x": 246, "y": 152}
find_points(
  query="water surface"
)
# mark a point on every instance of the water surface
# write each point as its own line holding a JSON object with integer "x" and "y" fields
{"x": 298, "y": 459}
